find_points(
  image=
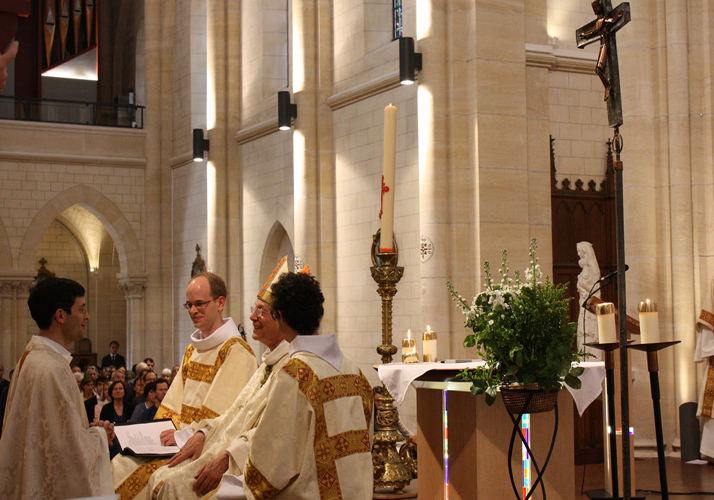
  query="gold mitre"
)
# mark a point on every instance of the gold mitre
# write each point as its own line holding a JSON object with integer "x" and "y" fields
{"x": 266, "y": 293}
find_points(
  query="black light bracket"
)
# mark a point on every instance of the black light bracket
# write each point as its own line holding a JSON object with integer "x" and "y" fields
{"x": 200, "y": 145}
{"x": 287, "y": 111}
{"x": 409, "y": 61}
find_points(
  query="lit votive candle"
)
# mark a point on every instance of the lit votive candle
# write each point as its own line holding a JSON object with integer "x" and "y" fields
{"x": 409, "y": 350}
{"x": 429, "y": 347}
{"x": 607, "y": 333}
{"x": 649, "y": 322}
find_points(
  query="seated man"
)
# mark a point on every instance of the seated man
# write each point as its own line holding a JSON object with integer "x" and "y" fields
{"x": 312, "y": 440}
{"x": 227, "y": 437}
{"x": 215, "y": 368}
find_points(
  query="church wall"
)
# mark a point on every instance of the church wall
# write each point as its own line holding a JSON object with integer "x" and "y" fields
{"x": 189, "y": 227}
{"x": 578, "y": 123}
{"x": 101, "y": 168}
{"x": 267, "y": 198}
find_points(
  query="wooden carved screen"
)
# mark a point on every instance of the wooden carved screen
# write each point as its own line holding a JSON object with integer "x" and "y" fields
{"x": 584, "y": 213}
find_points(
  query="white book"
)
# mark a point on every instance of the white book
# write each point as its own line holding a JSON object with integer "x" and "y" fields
{"x": 143, "y": 439}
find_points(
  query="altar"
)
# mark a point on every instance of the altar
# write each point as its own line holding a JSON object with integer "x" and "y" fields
{"x": 463, "y": 443}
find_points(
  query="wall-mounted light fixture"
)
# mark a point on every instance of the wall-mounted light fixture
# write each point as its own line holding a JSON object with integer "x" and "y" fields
{"x": 286, "y": 111}
{"x": 200, "y": 145}
{"x": 409, "y": 61}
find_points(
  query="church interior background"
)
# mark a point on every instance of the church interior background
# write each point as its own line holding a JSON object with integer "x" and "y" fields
{"x": 121, "y": 209}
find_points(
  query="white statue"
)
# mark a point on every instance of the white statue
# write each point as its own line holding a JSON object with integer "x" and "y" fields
{"x": 586, "y": 279}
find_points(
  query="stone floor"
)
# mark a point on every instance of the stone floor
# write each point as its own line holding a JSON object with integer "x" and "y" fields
{"x": 694, "y": 481}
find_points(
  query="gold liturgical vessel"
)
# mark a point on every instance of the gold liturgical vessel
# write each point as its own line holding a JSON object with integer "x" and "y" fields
{"x": 389, "y": 469}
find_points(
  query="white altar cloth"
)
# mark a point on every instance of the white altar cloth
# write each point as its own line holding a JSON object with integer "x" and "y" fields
{"x": 397, "y": 377}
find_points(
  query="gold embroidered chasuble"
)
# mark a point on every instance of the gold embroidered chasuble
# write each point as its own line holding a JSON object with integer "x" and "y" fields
{"x": 313, "y": 440}
{"x": 704, "y": 353}
{"x": 47, "y": 450}
{"x": 213, "y": 372}
{"x": 231, "y": 432}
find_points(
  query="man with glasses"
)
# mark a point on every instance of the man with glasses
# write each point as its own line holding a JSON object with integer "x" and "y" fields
{"x": 221, "y": 445}
{"x": 215, "y": 368}
{"x": 48, "y": 449}
{"x": 312, "y": 440}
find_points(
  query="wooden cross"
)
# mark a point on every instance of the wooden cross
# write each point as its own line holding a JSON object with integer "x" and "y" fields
{"x": 603, "y": 29}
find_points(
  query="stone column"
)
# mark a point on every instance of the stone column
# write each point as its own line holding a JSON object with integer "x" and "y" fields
{"x": 138, "y": 346}
{"x": 14, "y": 314}
{"x": 313, "y": 152}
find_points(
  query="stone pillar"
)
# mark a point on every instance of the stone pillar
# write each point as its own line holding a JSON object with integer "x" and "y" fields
{"x": 138, "y": 346}
{"x": 14, "y": 314}
{"x": 313, "y": 152}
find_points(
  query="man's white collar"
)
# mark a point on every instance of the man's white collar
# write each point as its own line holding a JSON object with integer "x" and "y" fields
{"x": 324, "y": 346}
{"x": 271, "y": 357}
{"x": 222, "y": 333}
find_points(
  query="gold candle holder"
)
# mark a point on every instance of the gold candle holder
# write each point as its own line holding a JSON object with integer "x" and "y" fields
{"x": 429, "y": 346}
{"x": 389, "y": 469}
{"x": 649, "y": 321}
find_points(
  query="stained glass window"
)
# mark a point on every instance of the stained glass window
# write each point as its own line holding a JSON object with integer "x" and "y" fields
{"x": 398, "y": 23}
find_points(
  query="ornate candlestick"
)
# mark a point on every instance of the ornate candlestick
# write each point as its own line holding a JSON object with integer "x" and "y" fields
{"x": 389, "y": 470}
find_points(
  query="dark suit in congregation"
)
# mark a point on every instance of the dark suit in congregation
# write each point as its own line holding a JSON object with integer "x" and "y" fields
{"x": 117, "y": 362}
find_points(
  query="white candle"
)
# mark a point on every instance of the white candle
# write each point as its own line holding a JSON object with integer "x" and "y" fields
{"x": 607, "y": 332}
{"x": 649, "y": 322}
{"x": 388, "y": 160}
{"x": 429, "y": 345}
{"x": 409, "y": 350}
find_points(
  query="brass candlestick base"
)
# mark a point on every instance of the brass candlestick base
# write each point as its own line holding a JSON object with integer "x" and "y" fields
{"x": 388, "y": 467}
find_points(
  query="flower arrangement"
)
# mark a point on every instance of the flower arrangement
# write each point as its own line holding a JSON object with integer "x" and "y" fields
{"x": 521, "y": 329}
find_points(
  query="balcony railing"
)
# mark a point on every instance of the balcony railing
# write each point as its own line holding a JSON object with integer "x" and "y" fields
{"x": 74, "y": 112}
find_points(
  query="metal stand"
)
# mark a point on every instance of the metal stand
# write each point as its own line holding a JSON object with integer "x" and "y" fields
{"x": 609, "y": 350}
{"x": 539, "y": 472}
{"x": 653, "y": 368}
{"x": 389, "y": 469}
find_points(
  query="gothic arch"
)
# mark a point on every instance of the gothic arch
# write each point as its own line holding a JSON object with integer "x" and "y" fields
{"x": 118, "y": 226}
{"x": 277, "y": 245}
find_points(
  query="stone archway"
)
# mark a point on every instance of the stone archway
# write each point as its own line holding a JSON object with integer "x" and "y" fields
{"x": 118, "y": 226}
{"x": 132, "y": 278}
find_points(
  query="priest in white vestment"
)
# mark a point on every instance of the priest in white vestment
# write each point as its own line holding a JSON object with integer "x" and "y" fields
{"x": 221, "y": 445}
{"x": 312, "y": 441}
{"x": 216, "y": 366}
{"x": 704, "y": 353}
{"x": 47, "y": 450}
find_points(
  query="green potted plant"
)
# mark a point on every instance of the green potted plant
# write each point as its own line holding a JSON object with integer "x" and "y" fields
{"x": 521, "y": 329}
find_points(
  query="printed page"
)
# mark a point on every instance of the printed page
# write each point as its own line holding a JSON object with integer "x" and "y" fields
{"x": 144, "y": 438}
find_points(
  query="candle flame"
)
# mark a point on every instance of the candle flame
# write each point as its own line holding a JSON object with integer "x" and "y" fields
{"x": 409, "y": 334}
{"x": 428, "y": 328}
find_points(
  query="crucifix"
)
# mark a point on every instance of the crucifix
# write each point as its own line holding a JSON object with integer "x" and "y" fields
{"x": 603, "y": 29}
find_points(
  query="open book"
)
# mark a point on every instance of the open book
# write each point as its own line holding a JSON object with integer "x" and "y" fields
{"x": 143, "y": 439}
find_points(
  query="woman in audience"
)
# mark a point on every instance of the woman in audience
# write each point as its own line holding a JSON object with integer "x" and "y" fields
{"x": 90, "y": 399}
{"x": 116, "y": 412}
{"x": 101, "y": 387}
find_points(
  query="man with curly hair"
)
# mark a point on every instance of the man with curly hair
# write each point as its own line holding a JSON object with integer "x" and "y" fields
{"x": 313, "y": 438}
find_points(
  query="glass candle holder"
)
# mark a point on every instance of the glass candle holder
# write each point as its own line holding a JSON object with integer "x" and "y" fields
{"x": 409, "y": 349}
{"x": 429, "y": 346}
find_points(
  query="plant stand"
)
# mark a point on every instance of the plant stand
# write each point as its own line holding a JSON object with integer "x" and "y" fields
{"x": 517, "y": 431}
{"x": 653, "y": 368}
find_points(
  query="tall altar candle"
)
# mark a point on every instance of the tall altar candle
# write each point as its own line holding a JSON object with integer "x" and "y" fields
{"x": 389, "y": 157}
{"x": 649, "y": 322}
